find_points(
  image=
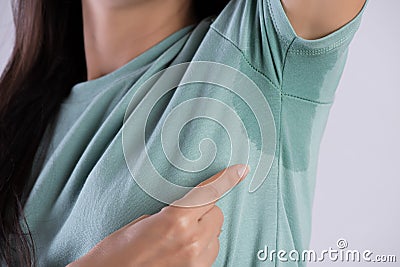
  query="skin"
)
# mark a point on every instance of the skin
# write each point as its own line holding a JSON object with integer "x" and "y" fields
{"x": 115, "y": 32}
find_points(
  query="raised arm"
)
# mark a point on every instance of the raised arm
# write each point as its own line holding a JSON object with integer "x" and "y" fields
{"x": 313, "y": 19}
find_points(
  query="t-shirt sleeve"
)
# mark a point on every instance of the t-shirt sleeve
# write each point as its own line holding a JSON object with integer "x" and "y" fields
{"x": 307, "y": 69}
{"x": 310, "y": 68}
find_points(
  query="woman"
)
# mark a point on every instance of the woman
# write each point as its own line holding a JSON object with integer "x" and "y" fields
{"x": 77, "y": 67}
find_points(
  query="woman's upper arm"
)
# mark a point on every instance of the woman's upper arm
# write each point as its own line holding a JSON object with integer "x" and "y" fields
{"x": 313, "y": 19}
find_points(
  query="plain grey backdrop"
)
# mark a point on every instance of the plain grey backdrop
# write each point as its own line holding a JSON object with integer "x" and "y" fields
{"x": 358, "y": 188}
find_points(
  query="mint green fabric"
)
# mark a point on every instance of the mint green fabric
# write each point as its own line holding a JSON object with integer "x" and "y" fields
{"x": 84, "y": 190}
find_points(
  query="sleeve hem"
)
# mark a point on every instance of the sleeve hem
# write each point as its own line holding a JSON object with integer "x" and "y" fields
{"x": 301, "y": 46}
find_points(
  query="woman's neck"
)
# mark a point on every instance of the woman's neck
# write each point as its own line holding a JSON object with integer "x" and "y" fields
{"x": 116, "y": 32}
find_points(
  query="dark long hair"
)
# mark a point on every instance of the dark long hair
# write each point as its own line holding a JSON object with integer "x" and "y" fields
{"x": 47, "y": 61}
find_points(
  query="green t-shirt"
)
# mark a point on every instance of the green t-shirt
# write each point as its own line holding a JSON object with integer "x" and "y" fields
{"x": 85, "y": 191}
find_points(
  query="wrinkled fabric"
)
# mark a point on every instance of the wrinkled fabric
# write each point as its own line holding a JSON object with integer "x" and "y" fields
{"x": 85, "y": 191}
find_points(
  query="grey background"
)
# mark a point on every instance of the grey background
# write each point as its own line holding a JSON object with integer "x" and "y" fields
{"x": 358, "y": 187}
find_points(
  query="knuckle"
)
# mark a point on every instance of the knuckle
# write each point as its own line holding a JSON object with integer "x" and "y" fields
{"x": 194, "y": 238}
{"x": 166, "y": 209}
{"x": 165, "y": 215}
{"x": 174, "y": 219}
{"x": 181, "y": 224}
{"x": 168, "y": 222}
{"x": 178, "y": 229}
{"x": 192, "y": 251}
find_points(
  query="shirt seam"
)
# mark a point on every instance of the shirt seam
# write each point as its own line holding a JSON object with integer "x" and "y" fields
{"x": 321, "y": 51}
{"x": 288, "y": 51}
{"x": 279, "y": 152}
{"x": 276, "y": 25}
{"x": 278, "y": 188}
{"x": 308, "y": 100}
{"x": 279, "y": 87}
{"x": 308, "y": 52}
{"x": 246, "y": 59}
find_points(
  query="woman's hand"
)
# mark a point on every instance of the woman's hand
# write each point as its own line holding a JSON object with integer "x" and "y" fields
{"x": 179, "y": 235}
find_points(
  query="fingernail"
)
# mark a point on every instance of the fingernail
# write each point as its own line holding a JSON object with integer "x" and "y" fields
{"x": 242, "y": 170}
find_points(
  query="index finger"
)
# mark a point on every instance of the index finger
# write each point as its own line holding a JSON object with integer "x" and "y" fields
{"x": 203, "y": 197}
